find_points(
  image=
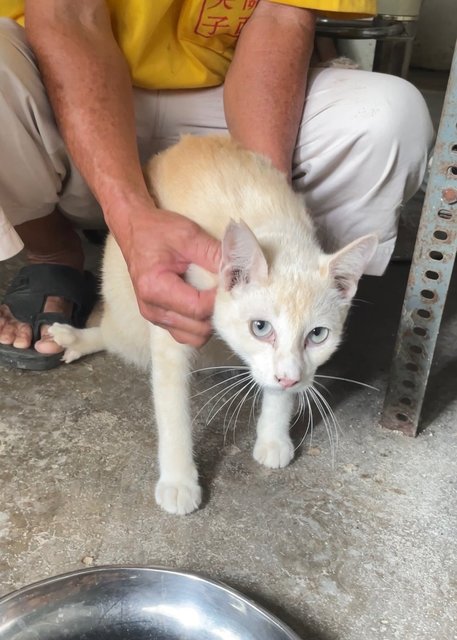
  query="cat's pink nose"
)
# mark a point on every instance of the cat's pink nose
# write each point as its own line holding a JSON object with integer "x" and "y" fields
{"x": 286, "y": 382}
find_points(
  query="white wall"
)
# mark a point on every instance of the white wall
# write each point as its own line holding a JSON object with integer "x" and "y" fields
{"x": 436, "y": 35}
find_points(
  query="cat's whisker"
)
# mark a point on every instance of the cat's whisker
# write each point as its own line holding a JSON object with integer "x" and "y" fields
{"x": 330, "y": 412}
{"x": 233, "y": 355}
{"x": 258, "y": 398}
{"x": 310, "y": 425}
{"x": 320, "y": 385}
{"x": 230, "y": 402}
{"x": 325, "y": 421}
{"x": 212, "y": 372}
{"x": 229, "y": 384}
{"x": 299, "y": 412}
{"x": 362, "y": 384}
{"x": 218, "y": 368}
{"x": 328, "y": 418}
{"x": 218, "y": 384}
{"x": 221, "y": 393}
{"x": 297, "y": 418}
{"x": 234, "y": 413}
{"x": 238, "y": 408}
{"x": 311, "y": 417}
{"x": 304, "y": 398}
{"x": 302, "y": 404}
{"x": 324, "y": 410}
{"x": 253, "y": 405}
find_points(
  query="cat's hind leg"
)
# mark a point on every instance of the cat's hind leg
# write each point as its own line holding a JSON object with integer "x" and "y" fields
{"x": 274, "y": 447}
{"x": 77, "y": 342}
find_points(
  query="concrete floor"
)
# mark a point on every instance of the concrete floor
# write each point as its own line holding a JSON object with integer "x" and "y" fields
{"x": 359, "y": 547}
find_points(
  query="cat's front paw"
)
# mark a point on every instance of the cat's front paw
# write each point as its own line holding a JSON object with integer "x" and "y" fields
{"x": 67, "y": 337}
{"x": 274, "y": 453}
{"x": 178, "y": 497}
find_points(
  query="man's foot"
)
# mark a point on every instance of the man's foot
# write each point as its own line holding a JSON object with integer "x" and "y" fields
{"x": 38, "y": 296}
{"x": 19, "y": 334}
{"x": 50, "y": 240}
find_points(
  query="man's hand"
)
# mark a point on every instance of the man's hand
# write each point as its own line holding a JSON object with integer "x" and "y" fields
{"x": 158, "y": 247}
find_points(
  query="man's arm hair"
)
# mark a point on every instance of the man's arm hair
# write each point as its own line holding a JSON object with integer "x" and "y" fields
{"x": 89, "y": 85}
{"x": 264, "y": 91}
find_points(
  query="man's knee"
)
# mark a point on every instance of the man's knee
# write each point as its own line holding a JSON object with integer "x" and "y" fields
{"x": 16, "y": 59}
{"x": 364, "y": 116}
{"x": 392, "y": 135}
{"x": 21, "y": 85}
{"x": 362, "y": 151}
{"x": 31, "y": 179}
{"x": 394, "y": 120}
{"x": 11, "y": 30}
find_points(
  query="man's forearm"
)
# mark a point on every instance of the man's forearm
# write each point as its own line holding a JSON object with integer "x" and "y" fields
{"x": 90, "y": 89}
{"x": 89, "y": 86}
{"x": 264, "y": 91}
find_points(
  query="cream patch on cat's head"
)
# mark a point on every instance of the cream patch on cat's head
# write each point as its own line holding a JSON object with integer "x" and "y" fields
{"x": 285, "y": 322}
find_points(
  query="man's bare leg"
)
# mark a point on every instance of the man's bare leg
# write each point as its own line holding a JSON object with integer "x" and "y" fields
{"x": 51, "y": 240}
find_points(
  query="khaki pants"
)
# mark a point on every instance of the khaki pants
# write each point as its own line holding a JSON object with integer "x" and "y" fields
{"x": 361, "y": 150}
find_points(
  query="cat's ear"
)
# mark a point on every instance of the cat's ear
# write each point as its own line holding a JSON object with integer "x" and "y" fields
{"x": 347, "y": 265}
{"x": 242, "y": 258}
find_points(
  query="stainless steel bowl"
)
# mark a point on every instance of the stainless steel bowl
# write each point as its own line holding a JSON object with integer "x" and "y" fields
{"x": 134, "y": 603}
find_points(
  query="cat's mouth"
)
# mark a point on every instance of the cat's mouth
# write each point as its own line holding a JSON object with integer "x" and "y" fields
{"x": 282, "y": 384}
{"x": 287, "y": 386}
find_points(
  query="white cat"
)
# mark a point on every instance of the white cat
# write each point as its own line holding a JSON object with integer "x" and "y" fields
{"x": 280, "y": 306}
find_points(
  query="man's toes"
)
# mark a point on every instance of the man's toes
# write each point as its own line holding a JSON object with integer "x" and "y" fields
{"x": 7, "y": 334}
{"x": 47, "y": 344}
{"x": 23, "y": 338}
{"x": 3, "y": 322}
{"x": 12, "y": 332}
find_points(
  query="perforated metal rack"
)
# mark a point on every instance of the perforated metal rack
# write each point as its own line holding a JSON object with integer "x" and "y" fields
{"x": 429, "y": 277}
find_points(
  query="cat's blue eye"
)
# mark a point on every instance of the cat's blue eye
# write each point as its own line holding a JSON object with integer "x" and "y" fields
{"x": 261, "y": 329}
{"x": 318, "y": 335}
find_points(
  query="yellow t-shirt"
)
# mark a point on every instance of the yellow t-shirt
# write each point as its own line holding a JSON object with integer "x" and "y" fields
{"x": 180, "y": 44}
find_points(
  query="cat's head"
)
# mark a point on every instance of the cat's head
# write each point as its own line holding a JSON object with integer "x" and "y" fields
{"x": 284, "y": 316}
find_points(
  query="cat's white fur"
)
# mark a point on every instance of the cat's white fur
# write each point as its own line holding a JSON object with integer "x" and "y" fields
{"x": 272, "y": 270}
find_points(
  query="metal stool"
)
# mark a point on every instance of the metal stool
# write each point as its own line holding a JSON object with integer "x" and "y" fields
{"x": 429, "y": 277}
{"x": 394, "y": 30}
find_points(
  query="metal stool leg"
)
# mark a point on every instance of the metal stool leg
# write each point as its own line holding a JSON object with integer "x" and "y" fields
{"x": 429, "y": 277}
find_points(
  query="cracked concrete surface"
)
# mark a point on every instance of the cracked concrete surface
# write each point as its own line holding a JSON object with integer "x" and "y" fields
{"x": 351, "y": 542}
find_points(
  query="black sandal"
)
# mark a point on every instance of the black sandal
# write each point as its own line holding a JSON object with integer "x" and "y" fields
{"x": 26, "y": 297}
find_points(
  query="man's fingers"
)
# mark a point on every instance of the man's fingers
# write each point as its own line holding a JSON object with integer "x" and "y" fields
{"x": 164, "y": 297}
{"x": 189, "y": 338}
{"x": 172, "y": 294}
{"x": 180, "y": 309}
{"x": 174, "y": 321}
{"x": 205, "y": 251}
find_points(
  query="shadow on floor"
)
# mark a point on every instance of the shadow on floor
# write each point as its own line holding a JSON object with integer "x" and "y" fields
{"x": 367, "y": 350}
{"x": 306, "y": 631}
